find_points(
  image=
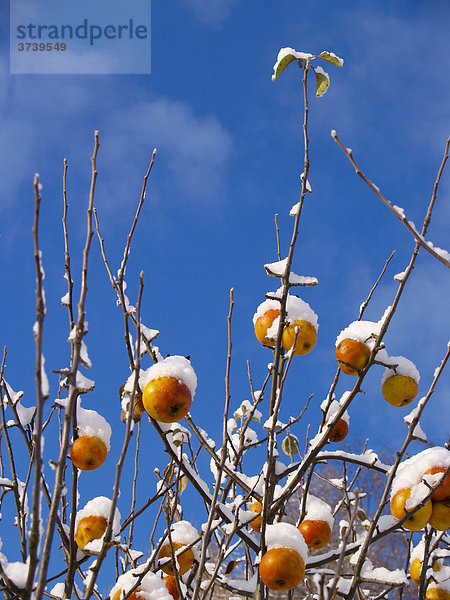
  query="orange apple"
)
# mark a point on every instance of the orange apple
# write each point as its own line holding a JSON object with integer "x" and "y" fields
{"x": 419, "y": 519}
{"x": 353, "y": 353}
{"x": 316, "y": 533}
{"x": 89, "y": 528}
{"x": 440, "y": 515}
{"x": 437, "y": 593}
{"x": 399, "y": 390}
{"x": 339, "y": 431}
{"x": 166, "y": 399}
{"x": 443, "y": 492}
{"x": 171, "y": 584}
{"x": 263, "y": 323}
{"x": 88, "y": 452}
{"x": 281, "y": 568}
{"x": 306, "y": 337}
{"x": 255, "y": 523}
{"x": 185, "y": 560}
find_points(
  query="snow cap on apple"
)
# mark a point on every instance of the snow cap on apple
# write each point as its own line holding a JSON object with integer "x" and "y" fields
{"x": 183, "y": 532}
{"x": 403, "y": 366}
{"x": 285, "y": 535}
{"x": 361, "y": 331}
{"x": 151, "y": 586}
{"x": 318, "y": 510}
{"x": 269, "y": 304}
{"x": 299, "y": 310}
{"x": 89, "y": 422}
{"x": 177, "y": 367}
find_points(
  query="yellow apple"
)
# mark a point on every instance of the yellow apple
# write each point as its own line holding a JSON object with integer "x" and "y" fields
{"x": 185, "y": 560}
{"x": 306, "y": 337}
{"x": 255, "y": 523}
{"x": 440, "y": 515}
{"x": 281, "y": 568}
{"x": 353, "y": 353}
{"x": 437, "y": 593}
{"x": 399, "y": 390}
{"x": 316, "y": 533}
{"x": 419, "y": 519}
{"x": 263, "y": 323}
{"x": 89, "y": 528}
{"x": 416, "y": 567}
{"x": 166, "y": 399}
{"x": 88, "y": 452}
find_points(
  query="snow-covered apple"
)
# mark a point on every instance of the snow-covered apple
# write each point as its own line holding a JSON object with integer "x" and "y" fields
{"x": 151, "y": 587}
{"x": 88, "y": 452}
{"x": 443, "y": 491}
{"x": 352, "y": 356}
{"x": 168, "y": 389}
{"x": 400, "y": 381}
{"x": 399, "y": 390}
{"x": 184, "y": 561}
{"x": 281, "y": 568}
{"x": 90, "y": 528}
{"x": 415, "y": 569}
{"x": 255, "y": 523}
{"x": 316, "y": 533}
{"x": 263, "y": 323}
{"x": 167, "y": 399}
{"x": 306, "y": 337}
{"x": 434, "y": 592}
{"x": 419, "y": 519}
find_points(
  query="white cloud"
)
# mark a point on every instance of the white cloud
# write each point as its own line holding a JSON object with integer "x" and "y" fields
{"x": 193, "y": 150}
{"x": 211, "y": 12}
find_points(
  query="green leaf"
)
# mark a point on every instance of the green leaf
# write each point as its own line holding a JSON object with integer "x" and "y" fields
{"x": 284, "y": 59}
{"x": 322, "y": 81}
{"x": 332, "y": 58}
{"x": 281, "y": 65}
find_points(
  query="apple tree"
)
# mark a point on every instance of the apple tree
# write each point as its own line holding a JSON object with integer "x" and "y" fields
{"x": 314, "y": 520}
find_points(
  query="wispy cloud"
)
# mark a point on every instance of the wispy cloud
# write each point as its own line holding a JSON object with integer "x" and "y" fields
{"x": 211, "y": 12}
{"x": 194, "y": 149}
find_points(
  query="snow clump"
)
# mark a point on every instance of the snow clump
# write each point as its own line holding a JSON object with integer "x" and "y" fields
{"x": 177, "y": 367}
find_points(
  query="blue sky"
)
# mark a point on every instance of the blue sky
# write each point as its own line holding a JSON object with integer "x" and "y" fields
{"x": 229, "y": 157}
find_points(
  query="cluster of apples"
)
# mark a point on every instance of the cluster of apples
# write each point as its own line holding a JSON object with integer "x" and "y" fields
{"x": 168, "y": 388}
{"x": 282, "y": 567}
{"x": 300, "y": 329}
{"x": 183, "y": 535}
{"x": 353, "y": 347}
{"x": 413, "y": 482}
{"x": 436, "y": 589}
